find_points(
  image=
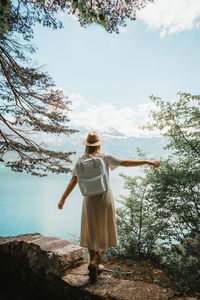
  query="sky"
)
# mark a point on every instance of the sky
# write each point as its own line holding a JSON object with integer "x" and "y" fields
{"x": 109, "y": 77}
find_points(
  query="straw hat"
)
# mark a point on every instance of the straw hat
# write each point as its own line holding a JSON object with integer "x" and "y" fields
{"x": 93, "y": 139}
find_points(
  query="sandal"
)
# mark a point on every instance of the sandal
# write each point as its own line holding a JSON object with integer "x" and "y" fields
{"x": 99, "y": 267}
{"x": 93, "y": 268}
{"x": 92, "y": 272}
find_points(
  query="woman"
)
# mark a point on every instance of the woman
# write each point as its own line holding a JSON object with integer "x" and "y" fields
{"x": 98, "y": 227}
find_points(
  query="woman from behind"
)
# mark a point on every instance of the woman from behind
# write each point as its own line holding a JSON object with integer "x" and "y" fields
{"x": 98, "y": 224}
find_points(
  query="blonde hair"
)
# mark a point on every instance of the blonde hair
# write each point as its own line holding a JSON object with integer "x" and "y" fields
{"x": 92, "y": 149}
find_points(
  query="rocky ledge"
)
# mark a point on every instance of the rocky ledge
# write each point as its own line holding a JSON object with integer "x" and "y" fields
{"x": 33, "y": 266}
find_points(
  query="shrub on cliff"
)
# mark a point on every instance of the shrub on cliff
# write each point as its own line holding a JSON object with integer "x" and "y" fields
{"x": 140, "y": 229}
{"x": 168, "y": 196}
{"x": 176, "y": 184}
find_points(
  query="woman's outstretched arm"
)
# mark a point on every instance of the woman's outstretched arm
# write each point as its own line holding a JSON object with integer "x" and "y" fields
{"x": 134, "y": 163}
{"x": 68, "y": 190}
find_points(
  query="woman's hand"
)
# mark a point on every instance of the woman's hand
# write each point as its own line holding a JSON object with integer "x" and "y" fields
{"x": 155, "y": 163}
{"x": 60, "y": 204}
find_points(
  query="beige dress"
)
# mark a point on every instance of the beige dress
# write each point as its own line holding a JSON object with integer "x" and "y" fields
{"x": 98, "y": 226}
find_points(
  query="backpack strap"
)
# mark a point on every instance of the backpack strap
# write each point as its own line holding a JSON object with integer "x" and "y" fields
{"x": 91, "y": 156}
{"x": 81, "y": 159}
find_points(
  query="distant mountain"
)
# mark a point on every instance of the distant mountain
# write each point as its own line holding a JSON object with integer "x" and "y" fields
{"x": 117, "y": 143}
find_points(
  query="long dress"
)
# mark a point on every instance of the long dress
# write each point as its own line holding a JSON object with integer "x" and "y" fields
{"x": 98, "y": 224}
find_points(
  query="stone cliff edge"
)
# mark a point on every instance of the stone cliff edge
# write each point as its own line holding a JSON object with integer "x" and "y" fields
{"x": 56, "y": 268}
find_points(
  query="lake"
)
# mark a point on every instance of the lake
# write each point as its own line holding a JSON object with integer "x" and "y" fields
{"x": 30, "y": 204}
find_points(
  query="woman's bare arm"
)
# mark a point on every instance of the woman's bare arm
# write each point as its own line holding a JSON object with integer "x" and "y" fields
{"x": 68, "y": 190}
{"x": 134, "y": 163}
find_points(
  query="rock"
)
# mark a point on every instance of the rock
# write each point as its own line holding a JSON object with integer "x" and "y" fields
{"x": 33, "y": 266}
{"x": 44, "y": 255}
{"x": 108, "y": 287}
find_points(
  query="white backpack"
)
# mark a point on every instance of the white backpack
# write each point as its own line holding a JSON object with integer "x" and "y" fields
{"x": 92, "y": 175}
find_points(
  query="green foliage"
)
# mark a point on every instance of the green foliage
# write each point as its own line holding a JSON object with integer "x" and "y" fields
{"x": 176, "y": 184}
{"x": 183, "y": 268}
{"x": 168, "y": 196}
{"x": 4, "y": 10}
{"x": 180, "y": 122}
{"x": 109, "y": 14}
{"x": 21, "y": 15}
{"x": 140, "y": 230}
{"x": 30, "y": 105}
{"x": 176, "y": 193}
{"x": 176, "y": 187}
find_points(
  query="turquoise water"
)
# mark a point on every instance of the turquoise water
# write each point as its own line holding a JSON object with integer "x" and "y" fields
{"x": 29, "y": 204}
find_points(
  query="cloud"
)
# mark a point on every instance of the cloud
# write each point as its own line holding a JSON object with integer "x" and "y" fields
{"x": 171, "y": 16}
{"x": 106, "y": 117}
{"x": 77, "y": 100}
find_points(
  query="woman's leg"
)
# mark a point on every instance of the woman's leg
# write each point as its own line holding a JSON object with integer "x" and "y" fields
{"x": 101, "y": 254}
{"x": 93, "y": 265}
{"x": 100, "y": 266}
{"x": 91, "y": 254}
